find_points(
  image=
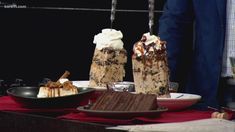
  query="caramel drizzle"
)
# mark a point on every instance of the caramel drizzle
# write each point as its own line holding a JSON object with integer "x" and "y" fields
{"x": 148, "y": 57}
{"x": 52, "y": 92}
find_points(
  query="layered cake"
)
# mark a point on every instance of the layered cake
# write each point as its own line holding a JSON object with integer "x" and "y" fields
{"x": 150, "y": 67}
{"x": 57, "y": 89}
{"x": 109, "y": 58}
{"x": 125, "y": 101}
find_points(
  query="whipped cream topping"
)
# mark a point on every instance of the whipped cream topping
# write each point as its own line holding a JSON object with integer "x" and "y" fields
{"x": 62, "y": 80}
{"x": 148, "y": 39}
{"x": 148, "y": 43}
{"x": 108, "y": 38}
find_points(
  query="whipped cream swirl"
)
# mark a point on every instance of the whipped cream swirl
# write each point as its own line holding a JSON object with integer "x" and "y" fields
{"x": 108, "y": 38}
{"x": 148, "y": 43}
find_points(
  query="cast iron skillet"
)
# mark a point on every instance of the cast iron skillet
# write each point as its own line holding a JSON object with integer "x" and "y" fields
{"x": 27, "y": 96}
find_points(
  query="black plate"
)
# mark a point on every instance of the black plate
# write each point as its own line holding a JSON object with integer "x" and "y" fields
{"x": 27, "y": 96}
{"x": 121, "y": 114}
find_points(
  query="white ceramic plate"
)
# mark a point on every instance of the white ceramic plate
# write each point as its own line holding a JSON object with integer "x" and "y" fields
{"x": 179, "y": 101}
{"x": 86, "y": 84}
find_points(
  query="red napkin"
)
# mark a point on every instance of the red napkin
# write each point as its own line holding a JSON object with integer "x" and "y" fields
{"x": 165, "y": 117}
{"x": 8, "y": 104}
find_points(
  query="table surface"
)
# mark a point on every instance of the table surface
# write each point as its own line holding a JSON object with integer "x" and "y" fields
{"x": 22, "y": 122}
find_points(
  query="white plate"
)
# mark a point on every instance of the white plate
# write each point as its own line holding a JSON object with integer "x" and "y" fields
{"x": 178, "y": 101}
{"x": 86, "y": 84}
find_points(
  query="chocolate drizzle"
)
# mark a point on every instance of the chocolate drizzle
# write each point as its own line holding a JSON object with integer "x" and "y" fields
{"x": 110, "y": 50}
{"x": 148, "y": 56}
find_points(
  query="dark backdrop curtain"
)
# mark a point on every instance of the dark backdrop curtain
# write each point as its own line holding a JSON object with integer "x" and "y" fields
{"x": 43, "y": 43}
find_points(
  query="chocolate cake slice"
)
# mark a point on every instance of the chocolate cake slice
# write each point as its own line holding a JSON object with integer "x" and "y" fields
{"x": 125, "y": 101}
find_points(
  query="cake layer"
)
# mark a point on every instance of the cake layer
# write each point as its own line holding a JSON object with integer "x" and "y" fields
{"x": 102, "y": 75}
{"x": 124, "y": 101}
{"x": 45, "y": 92}
{"x": 152, "y": 79}
{"x": 107, "y": 66}
{"x": 109, "y": 56}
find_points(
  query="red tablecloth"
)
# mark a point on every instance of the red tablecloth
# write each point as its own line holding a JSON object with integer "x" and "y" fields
{"x": 165, "y": 117}
{"x": 8, "y": 104}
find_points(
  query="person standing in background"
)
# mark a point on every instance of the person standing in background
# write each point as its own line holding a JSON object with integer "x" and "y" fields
{"x": 200, "y": 66}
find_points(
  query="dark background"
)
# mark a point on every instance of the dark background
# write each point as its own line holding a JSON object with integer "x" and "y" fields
{"x": 43, "y": 43}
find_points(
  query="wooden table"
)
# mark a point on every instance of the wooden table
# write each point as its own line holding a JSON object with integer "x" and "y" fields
{"x": 21, "y": 122}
